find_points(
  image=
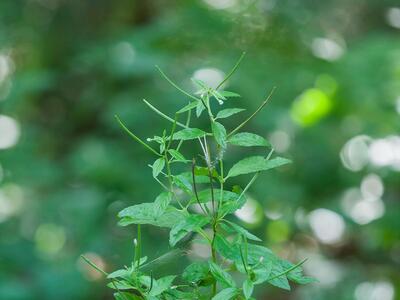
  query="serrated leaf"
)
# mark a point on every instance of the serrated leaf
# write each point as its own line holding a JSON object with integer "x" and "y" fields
{"x": 263, "y": 272}
{"x": 177, "y": 155}
{"x": 161, "y": 203}
{"x": 219, "y": 132}
{"x": 148, "y": 213}
{"x": 121, "y": 285}
{"x": 248, "y": 287}
{"x": 246, "y": 139}
{"x": 226, "y": 294}
{"x": 227, "y": 249}
{"x": 122, "y": 273}
{"x": 190, "y": 106}
{"x": 183, "y": 182}
{"x": 188, "y": 134}
{"x": 161, "y": 285}
{"x": 242, "y": 231}
{"x": 221, "y": 275}
{"x": 206, "y": 196}
{"x": 196, "y": 272}
{"x": 189, "y": 224}
{"x": 158, "y": 166}
{"x": 226, "y": 113}
{"x": 126, "y": 296}
{"x": 255, "y": 164}
{"x": 228, "y": 94}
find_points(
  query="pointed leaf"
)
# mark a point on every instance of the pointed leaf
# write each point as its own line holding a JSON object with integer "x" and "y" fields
{"x": 190, "y": 106}
{"x": 188, "y": 134}
{"x": 221, "y": 275}
{"x": 228, "y": 94}
{"x": 226, "y": 294}
{"x": 255, "y": 164}
{"x": 199, "y": 109}
{"x": 161, "y": 203}
{"x": 181, "y": 229}
{"x": 247, "y": 139}
{"x": 219, "y": 132}
{"x": 177, "y": 155}
{"x": 196, "y": 272}
{"x": 248, "y": 287}
{"x": 243, "y": 231}
{"x": 158, "y": 166}
{"x": 161, "y": 285}
{"x": 148, "y": 213}
{"x": 225, "y": 113}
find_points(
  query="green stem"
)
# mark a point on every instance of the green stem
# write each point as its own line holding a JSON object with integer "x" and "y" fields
{"x": 253, "y": 114}
{"x": 176, "y": 86}
{"x": 162, "y": 114}
{"x": 195, "y": 188}
{"x": 232, "y": 71}
{"x": 288, "y": 270}
{"x": 136, "y": 138}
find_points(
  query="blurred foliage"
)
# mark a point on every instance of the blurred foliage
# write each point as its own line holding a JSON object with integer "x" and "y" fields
{"x": 66, "y": 67}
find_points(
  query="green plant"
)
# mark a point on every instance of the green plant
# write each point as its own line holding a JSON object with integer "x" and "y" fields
{"x": 202, "y": 209}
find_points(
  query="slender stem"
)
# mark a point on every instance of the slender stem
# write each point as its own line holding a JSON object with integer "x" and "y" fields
{"x": 254, "y": 114}
{"x": 176, "y": 86}
{"x": 288, "y": 270}
{"x": 157, "y": 111}
{"x": 93, "y": 265}
{"x": 187, "y": 125}
{"x": 232, "y": 71}
{"x": 221, "y": 167}
{"x": 136, "y": 138}
{"x": 138, "y": 246}
{"x": 195, "y": 188}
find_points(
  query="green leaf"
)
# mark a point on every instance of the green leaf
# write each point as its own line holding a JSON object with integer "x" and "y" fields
{"x": 263, "y": 272}
{"x": 227, "y": 249}
{"x": 219, "y": 132}
{"x": 225, "y": 113}
{"x": 122, "y": 273}
{"x": 188, "y": 134}
{"x": 190, "y": 106}
{"x": 200, "y": 83}
{"x": 248, "y": 287}
{"x": 149, "y": 213}
{"x": 183, "y": 182}
{"x": 205, "y": 196}
{"x": 182, "y": 228}
{"x": 242, "y": 231}
{"x": 177, "y": 155}
{"x": 221, "y": 275}
{"x": 255, "y": 164}
{"x": 226, "y": 294}
{"x": 158, "y": 166}
{"x": 126, "y": 296}
{"x": 161, "y": 285}
{"x": 199, "y": 109}
{"x": 161, "y": 203}
{"x": 196, "y": 272}
{"x": 247, "y": 139}
{"x": 228, "y": 94}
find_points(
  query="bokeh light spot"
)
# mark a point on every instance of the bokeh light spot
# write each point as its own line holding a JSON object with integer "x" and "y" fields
{"x": 9, "y": 132}
{"x": 210, "y": 76}
{"x": 50, "y": 239}
{"x": 278, "y": 231}
{"x": 328, "y": 226}
{"x": 382, "y": 290}
{"x": 311, "y": 106}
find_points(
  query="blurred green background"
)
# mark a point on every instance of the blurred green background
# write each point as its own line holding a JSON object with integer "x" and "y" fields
{"x": 66, "y": 168}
